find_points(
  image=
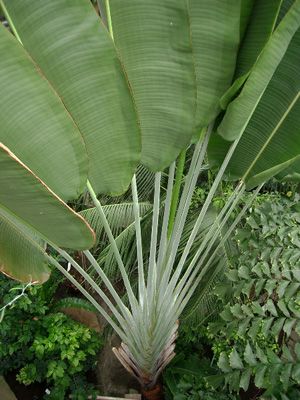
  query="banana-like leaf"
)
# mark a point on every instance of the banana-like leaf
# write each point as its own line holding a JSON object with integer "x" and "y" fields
{"x": 215, "y": 35}
{"x": 74, "y": 52}
{"x": 261, "y": 25}
{"x": 163, "y": 45}
{"x": 153, "y": 40}
{"x": 285, "y": 6}
{"x": 246, "y": 10}
{"x": 22, "y": 254}
{"x": 25, "y": 198}
{"x": 35, "y": 124}
{"x": 241, "y": 109}
{"x": 270, "y": 124}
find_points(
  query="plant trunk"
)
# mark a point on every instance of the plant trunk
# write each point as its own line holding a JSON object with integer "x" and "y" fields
{"x": 155, "y": 393}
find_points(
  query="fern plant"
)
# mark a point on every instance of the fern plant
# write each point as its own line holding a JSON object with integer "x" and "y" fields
{"x": 258, "y": 340}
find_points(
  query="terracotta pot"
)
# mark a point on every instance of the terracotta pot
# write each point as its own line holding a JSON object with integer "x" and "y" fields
{"x": 153, "y": 394}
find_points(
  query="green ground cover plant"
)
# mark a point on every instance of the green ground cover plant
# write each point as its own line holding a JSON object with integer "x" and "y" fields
{"x": 40, "y": 344}
{"x": 257, "y": 341}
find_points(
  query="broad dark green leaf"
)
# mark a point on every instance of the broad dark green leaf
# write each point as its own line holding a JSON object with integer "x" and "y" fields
{"x": 215, "y": 36}
{"x": 246, "y": 10}
{"x": 74, "y": 52}
{"x": 260, "y": 26}
{"x": 161, "y": 59}
{"x": 285, "y": 6}
{"x": 259, "y": 29}
{"x": 266, "y": 115}
{"x": 154, "y": 43}
{"x": 25, "y": 198}
{"x": 241, "y": 110}
{"x": 35, "y": 124}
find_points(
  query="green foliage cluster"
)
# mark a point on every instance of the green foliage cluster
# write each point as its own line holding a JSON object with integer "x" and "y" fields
{"x": 44, "y": 345}
{"x": 257, "y": 341}
{"x": 185, "y": 379}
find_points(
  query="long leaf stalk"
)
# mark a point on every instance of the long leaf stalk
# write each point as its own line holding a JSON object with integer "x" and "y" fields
{"x": 109, "y": 20}
{"x": 209, "y": 240}
{"x": 126, "y": 320}
{"x": 211, "y": 236}
{"x": 139, "y": 245}
{"x": 152, "y": 268}
{"x": 131, "y": 296}
{"x": 148, "y": 328}
{"x": 165, "y": 224}
{"x": 198, "y": 223}
{"x": 176, "y": 191}
{"x": 92, "y": 283}
{"x": 189, "y": 186}
{"x": 10, "y": 21}
{"x": 88, "y": 296}
{"x": 192, "y": 176}
{"x": 108, "y": 284}
{"x": 208, "y": 200}
{"x": 190, "y": 287}
{"x": 184, "y": 286}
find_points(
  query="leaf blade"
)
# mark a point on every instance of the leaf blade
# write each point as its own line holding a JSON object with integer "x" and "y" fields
{"x": 26, "y": 198}
{"x": 78, "y": 58}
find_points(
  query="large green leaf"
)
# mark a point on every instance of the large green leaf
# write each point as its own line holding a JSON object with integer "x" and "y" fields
{"x": 215, "y": 35}
{"x": 22, "y": 254}
{"x": 270, "y": 140}
{"x": 285, "y": 6}
{"x": 246, "y": 10}
{"x": 35, "y": 125}
{"x": 153, "y": 39}
{"x": 259, "y": 29}
{"x": 165, "y": 46}
{"x": 241, "y": 109}
{"x": 26, "y": 199}
{"x": 74, "y": 52}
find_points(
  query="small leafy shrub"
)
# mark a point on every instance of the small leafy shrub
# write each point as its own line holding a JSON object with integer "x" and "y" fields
{"x": 257, "y": 342}
{"x": 185, "y": 380}
{"x": 45, "y": 346}
{"x": 201, "y": 192}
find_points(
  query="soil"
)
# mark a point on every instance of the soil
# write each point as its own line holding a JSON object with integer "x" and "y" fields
{"x": 32, "y": 392}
